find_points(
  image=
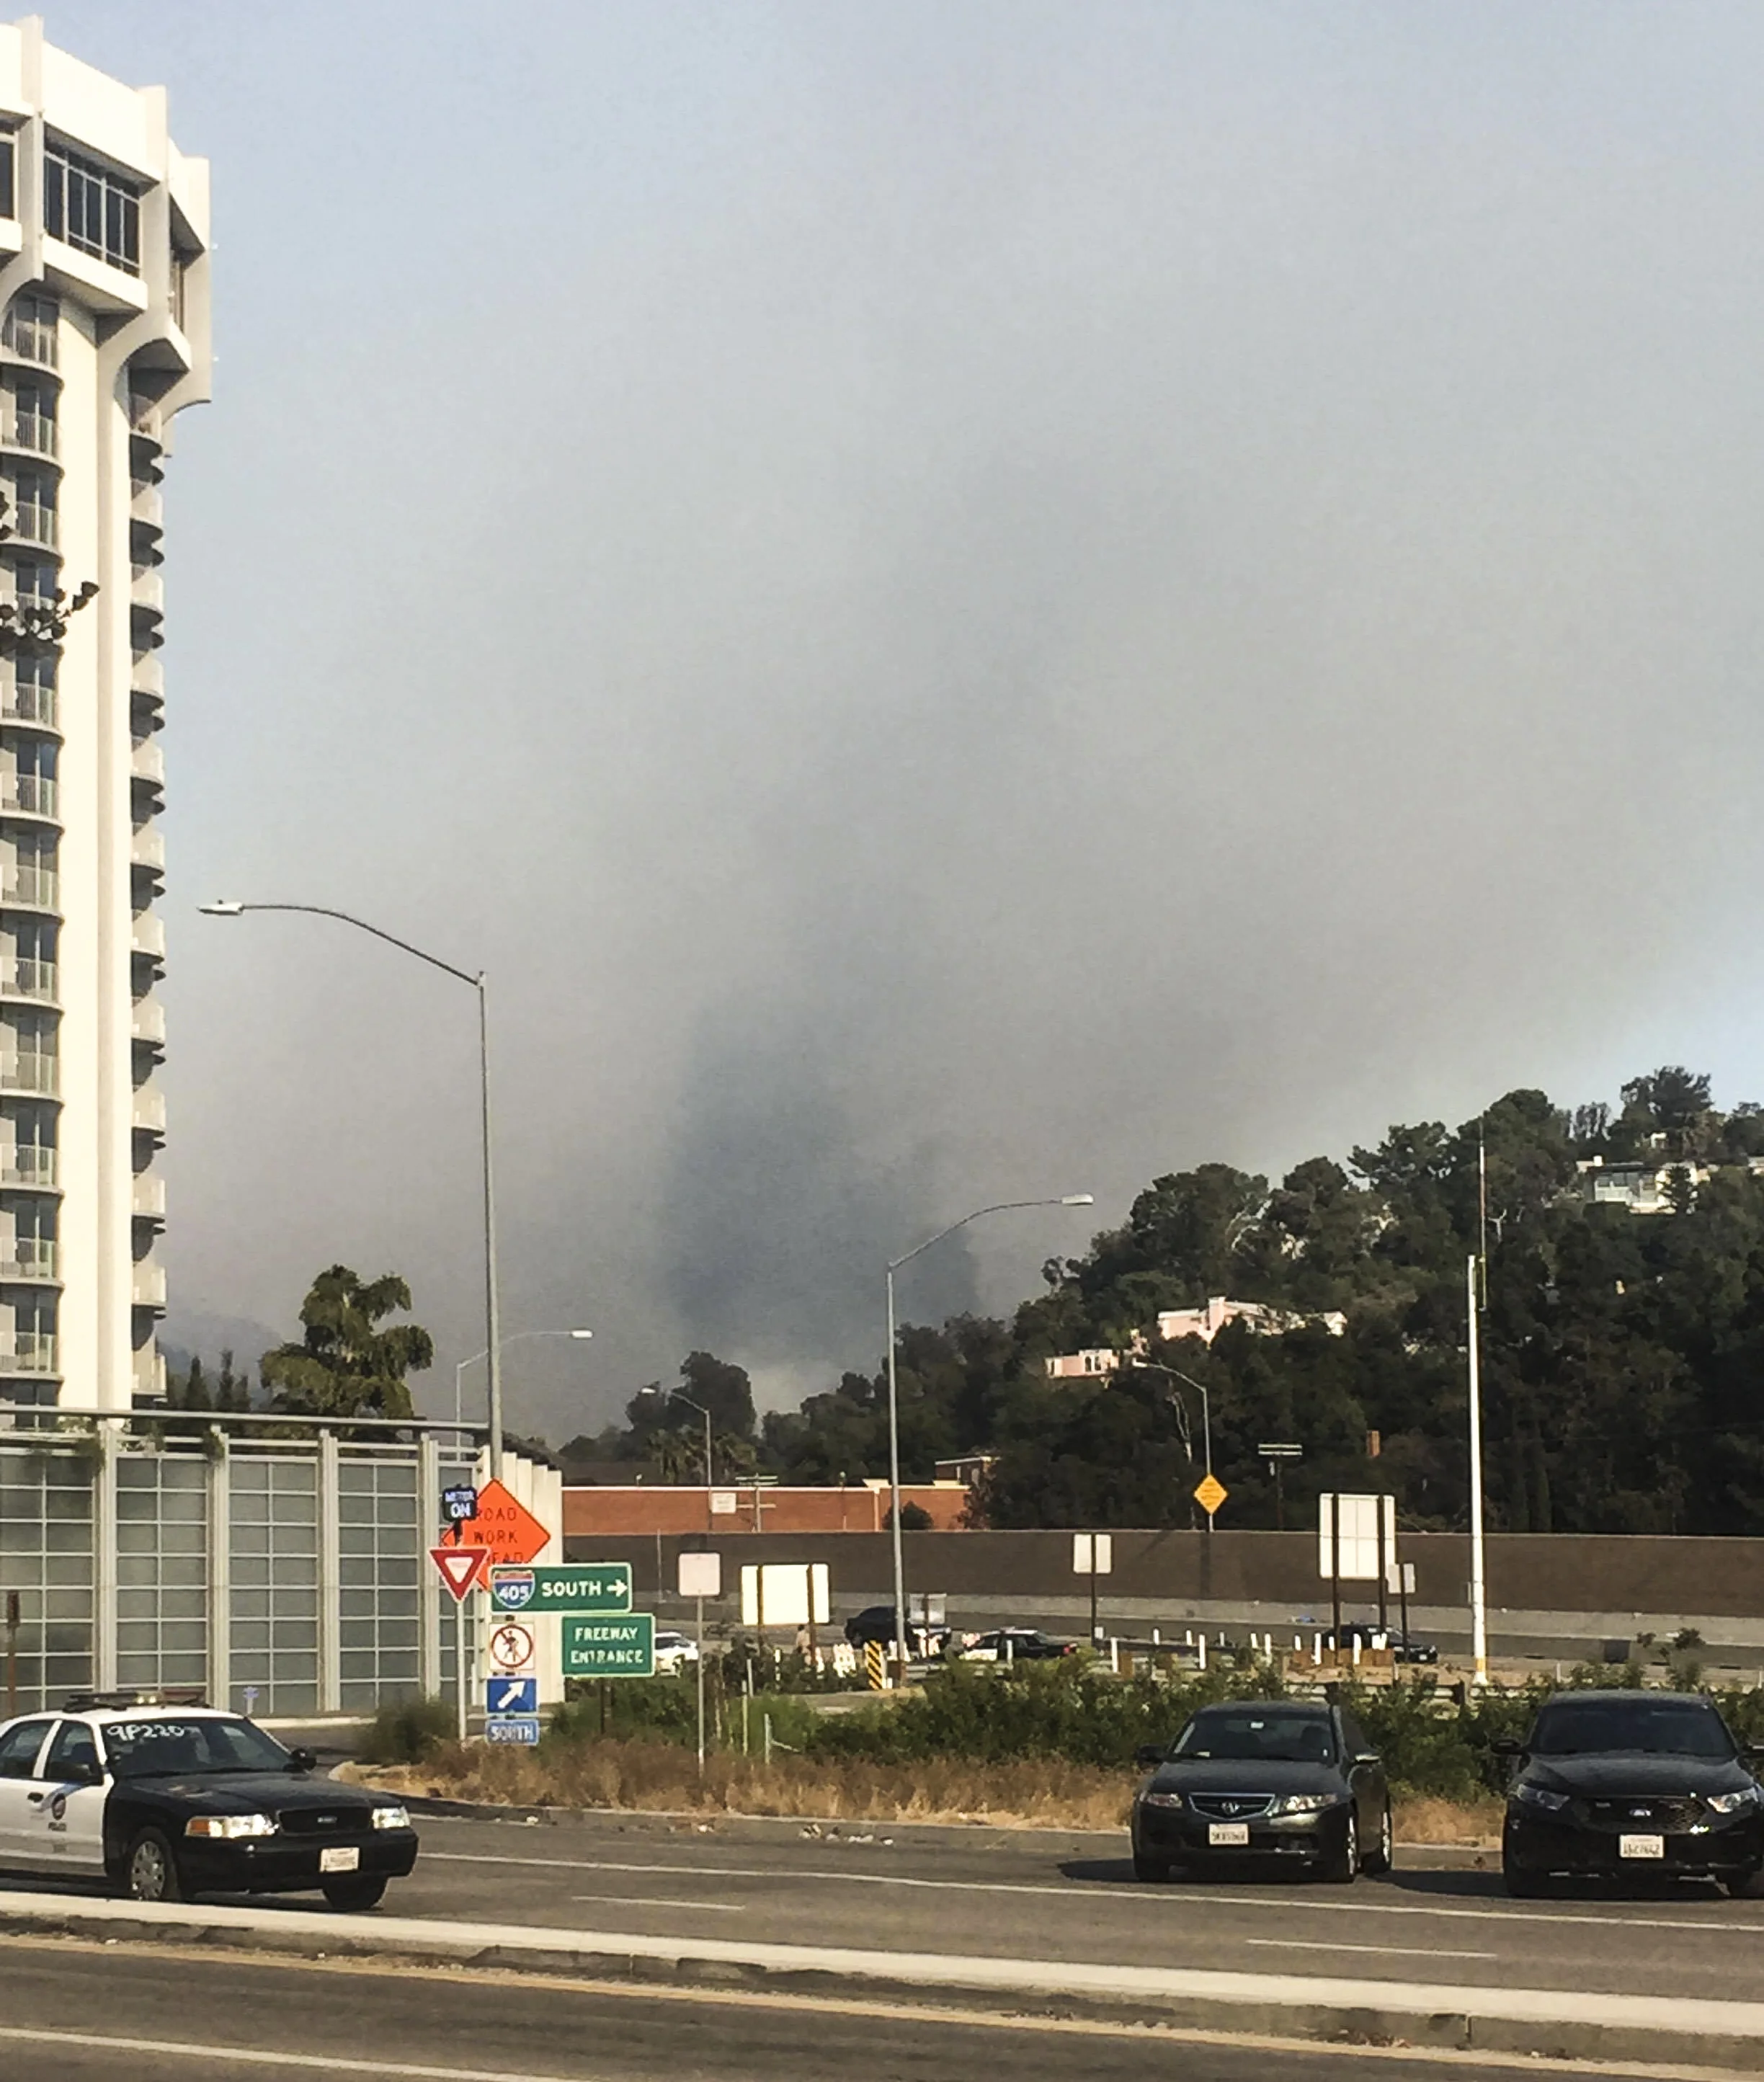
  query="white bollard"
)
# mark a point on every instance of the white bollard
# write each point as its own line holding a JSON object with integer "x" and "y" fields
{"x": 1114, "y": 1657}
{"x": 1356, "y": 1651}
{"x": 1154, "y": 1637}
{"x": 1203, "y": 1664}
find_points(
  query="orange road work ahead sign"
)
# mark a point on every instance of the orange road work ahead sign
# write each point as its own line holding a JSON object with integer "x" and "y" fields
{"x": 504, "y": 1526}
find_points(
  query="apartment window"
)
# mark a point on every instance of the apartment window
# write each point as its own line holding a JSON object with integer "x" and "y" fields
{"x": 33, "y": 416}
{"x": 180, "y": 264}
{"x": 30, "y": 329}
{"x": 33, "y": 517}
{"x": 94, "y": 210}
{"x": 9, "y": 179}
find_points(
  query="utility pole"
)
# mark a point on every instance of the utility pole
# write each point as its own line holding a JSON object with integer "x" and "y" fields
{"x": 1478, "y": 1615}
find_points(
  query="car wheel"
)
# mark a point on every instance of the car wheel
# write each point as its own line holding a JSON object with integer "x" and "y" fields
{"x": 1343, "y": 1863}
{"x": 1526, "y": 1887}
{"x": 1382, "y": 1856}
{"x": 150, "y": 1870}
{"x": 1154, "y": 1869}
{"x": 362, "y": 1890}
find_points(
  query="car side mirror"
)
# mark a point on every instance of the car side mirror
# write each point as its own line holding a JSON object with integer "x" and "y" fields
{"x": 1148, "y": 1756}
{"x": 1754, "y": 1751}
{"x": 1505, "y": 1745}
{"x": 303, "y": 1760}
{"x": 1368, "y": 1756}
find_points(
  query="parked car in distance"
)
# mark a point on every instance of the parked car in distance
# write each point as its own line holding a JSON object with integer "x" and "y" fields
{"x": 877, "y": 1623}
{"x": 1613, "y": 1784}
{"x": 1012, "y": 1645}
{"x": 1275, "y": 1783}
{"x": 168, "y": 1801}
{"x": 674, "y": 1652}
{"x": 1406, "y": 1648}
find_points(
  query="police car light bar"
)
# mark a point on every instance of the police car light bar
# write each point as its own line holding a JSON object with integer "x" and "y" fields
{"x": 137, "y": 1696}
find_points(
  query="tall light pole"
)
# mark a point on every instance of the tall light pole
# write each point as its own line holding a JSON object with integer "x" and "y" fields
{"x": 894, "y": 1264}
{"x": 673, "y": 1395}
{"x": 231, "y": 907}
{"x": 518, "y": 1338}
{"x": 1479, "y": 1603}
{"x": 1146, "y": 1366}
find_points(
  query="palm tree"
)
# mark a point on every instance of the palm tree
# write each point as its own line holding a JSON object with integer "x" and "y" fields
{"x": 344, "y": 1366}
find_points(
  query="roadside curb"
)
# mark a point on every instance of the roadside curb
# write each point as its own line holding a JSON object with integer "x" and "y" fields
{"x": 1549, "y": 2024}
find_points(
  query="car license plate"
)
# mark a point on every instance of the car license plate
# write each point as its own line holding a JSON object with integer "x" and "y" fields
{"x": 340, "y": 1858}
{"x": 1641, "y": 1846}
{"x": 1221, "y": 1834}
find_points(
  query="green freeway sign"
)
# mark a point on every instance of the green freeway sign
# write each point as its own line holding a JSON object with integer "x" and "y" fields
{"x": 611, "y": 1647}
{"x": 584, "y": 1587}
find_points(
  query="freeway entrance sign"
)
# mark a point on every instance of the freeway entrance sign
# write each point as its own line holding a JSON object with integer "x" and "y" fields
{"x": 611, "y": 1647}
{"x": 582, "y": 1587}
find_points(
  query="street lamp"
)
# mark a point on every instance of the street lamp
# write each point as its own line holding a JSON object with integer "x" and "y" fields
{"x": 894, "y": 1264}
{"x": 673, "y": 1395}
{"x": 519, "y": 1337}
{"x": 1146, "y": 1366}
{"x": 232, "y": 907}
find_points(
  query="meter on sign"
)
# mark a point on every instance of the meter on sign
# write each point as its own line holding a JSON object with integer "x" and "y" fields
{"x": 511, "y": 1646}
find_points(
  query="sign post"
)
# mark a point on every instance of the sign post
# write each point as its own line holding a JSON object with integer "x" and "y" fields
{"x": 13, "y": 1612}
{"x": 1405, "y": 1583}
{"x": 1093, "y": 1555}
{"x": 701, "y": 1577}
{"x": 1276, "y": 1453}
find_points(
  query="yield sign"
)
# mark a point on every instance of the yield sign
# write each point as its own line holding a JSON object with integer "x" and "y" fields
{"x": 460, "y": 1567}
{"x": 504, "y": 1526}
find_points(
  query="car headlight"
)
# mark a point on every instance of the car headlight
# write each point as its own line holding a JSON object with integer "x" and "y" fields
{"x": 1539, "y": 1795}
{"x": 229, "y": 1826}
{"x": 391, "y": 1818}
{"x": 1161, "y": 1799}
{"x": 1304, "y": 1803}
{"x": 1731, "y": 1803}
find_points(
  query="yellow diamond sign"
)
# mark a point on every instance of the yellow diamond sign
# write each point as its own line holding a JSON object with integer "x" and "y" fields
{"x": 1210, "y": 1493}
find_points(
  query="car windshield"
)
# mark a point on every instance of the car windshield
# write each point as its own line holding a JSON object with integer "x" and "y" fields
{"x": 1671, "y": 1727}
{"x": 199, "y": 1746}
{"x": 1252, "y": 1737}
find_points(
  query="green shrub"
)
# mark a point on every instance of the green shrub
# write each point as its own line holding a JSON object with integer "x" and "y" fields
{"x": 658, "y": 1709}
{"x": 407, "y": 1730}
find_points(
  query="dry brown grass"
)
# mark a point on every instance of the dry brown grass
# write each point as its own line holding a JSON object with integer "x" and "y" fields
{"x": 659, "y": 1777}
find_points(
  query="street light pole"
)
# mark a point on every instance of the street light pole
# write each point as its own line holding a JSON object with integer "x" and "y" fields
{"x": 673, "y": 1395}
{"x": 231, "y": 907}
{"x": 894, "y": 1264}
{"x": 1147, "y": 1366}
{"x": 518, "y": 1338}
{"x": 1478, "y": 1604}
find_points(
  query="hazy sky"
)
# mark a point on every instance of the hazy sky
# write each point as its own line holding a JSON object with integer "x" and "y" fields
{"x": 957, "y": 601}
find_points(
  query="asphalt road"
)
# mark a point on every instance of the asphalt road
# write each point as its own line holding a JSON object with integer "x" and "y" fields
{"x": 1042, "y": 1896}
{"x": 81, "y": 2012}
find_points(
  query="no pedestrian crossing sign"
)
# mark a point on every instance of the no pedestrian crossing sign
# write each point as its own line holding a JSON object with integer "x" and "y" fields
{"x": 585, "y": 1587}
{"x": 611, "y": 1647}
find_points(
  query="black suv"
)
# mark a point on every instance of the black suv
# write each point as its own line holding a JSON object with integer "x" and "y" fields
{"x": 1613, "y": 1784}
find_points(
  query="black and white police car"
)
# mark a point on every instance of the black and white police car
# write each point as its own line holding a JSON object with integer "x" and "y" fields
{"x": 166, "y": 1797}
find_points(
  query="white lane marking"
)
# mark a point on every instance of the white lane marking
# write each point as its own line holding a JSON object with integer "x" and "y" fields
{"x": 1324, "y": 1944}
{"x": 244, "y": 2056}
{"x": 1209, "y": 1897}
{"x": 660, "y": 1901}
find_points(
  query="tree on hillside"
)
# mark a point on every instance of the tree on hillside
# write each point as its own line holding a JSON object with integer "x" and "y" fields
{"x": 345, "y": 1365}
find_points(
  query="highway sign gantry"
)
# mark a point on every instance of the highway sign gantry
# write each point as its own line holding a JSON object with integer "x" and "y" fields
{"x": 460, "y": 1568}
{"x": 578, "y": 1588}
{"x": 610, "y": 1647}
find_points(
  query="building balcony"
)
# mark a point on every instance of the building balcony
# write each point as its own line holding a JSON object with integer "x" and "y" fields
{"x": 147, "y": 1022}
{"x": 147, "y": 503}
{"x": 148, "y": 1114}
{"x": 147, "y": 848}
{"x": 31, "y": 1073}
{"x": 28, "y": 333}
{"x": 148, "y": 1288}
{"x": 27, "y": 795}
{"x": 29, "y": 704}
{"x": 29, "y": 888}
{"x": 35, "y": 524}
{"x": 21, "y": 975}
{"x": 147, "y": 762}
{"x": 148, "y": 1202}
{"x": 150, "y": 1372}
{"x": 30, "y": 1165}
{"x": 26, "y": 1260}
{"x": 27, "y": 1351}
{"x": 147, "y": 594}
{"x": 147, "y": 934}
{"x": 31, "y": 433}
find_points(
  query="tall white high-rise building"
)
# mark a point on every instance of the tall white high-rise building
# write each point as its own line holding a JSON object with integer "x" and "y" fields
{"x": 103, "y": 337}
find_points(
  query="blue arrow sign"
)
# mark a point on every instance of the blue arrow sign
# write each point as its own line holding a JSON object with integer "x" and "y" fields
{"x": 511, "y": 1695}
{"x": 512, "y": 1728}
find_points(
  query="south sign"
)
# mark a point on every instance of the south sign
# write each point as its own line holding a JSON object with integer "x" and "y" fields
{"x": 583, "y": 1589}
